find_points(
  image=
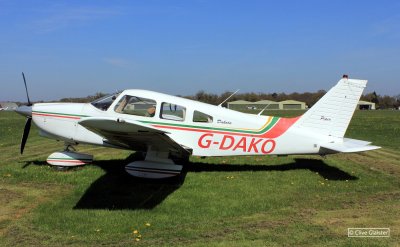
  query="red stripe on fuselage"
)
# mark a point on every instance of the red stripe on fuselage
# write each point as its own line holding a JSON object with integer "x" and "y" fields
{"x": 52, "y": 115}
{"x": 279, "y": 128}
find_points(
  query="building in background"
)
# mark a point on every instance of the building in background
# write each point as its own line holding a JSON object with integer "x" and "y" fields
{"x": 8, "y": 106}
{"x": 243, "y": 105}
{"x": 365, "y": 105}
{"x": 292, "y": 105}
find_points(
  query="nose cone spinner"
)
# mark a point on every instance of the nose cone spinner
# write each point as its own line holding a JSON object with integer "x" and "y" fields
{"x": 24, "y": 110}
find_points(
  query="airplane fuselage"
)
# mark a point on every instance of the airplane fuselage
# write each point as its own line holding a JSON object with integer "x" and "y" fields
{"x": 220, "y": 131}
{"x": 169, "y": 128}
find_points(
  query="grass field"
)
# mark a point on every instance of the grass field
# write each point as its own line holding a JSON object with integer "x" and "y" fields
{"x": 236, "y": 201}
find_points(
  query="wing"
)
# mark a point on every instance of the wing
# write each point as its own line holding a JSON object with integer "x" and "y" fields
{"x": 131, "y": 134}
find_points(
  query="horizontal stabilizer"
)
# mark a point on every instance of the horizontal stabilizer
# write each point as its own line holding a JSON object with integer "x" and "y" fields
{"x": 356, "y": 142}
{"x": 347, "y": 146}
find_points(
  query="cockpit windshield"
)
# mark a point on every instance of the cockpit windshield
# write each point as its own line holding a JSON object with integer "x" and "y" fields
{"x": 104, "y": 102}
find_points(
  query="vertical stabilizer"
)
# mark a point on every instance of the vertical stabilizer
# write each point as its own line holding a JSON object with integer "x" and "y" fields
{"x": 331, "y": 115}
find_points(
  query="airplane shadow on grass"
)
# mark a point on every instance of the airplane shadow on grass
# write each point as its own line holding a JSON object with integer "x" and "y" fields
{"x": 117, "y": 190}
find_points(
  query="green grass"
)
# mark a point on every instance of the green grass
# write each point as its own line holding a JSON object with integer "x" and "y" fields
{"x": 234, "y": 201}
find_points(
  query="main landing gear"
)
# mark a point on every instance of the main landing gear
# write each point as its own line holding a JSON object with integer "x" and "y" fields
{"x": 156, "y": 165}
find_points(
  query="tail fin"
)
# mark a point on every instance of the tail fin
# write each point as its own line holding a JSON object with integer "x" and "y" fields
{"x": 331, "y": 115}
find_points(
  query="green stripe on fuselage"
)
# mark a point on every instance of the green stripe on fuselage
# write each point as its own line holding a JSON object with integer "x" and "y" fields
{"x": 265, "y": 129}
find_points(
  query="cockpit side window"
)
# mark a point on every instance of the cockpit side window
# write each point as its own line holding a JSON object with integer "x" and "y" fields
{"x": 199, "y": 117}
{"x": 104, "y": 102}
{"x": 138, "y": 106}
{"x": 172, "y": 112}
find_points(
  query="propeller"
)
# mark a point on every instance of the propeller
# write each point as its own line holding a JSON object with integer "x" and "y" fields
{"x": 26, "y": 90}
{"x": 27, "y": 112}
{"x": 26, "y": 133}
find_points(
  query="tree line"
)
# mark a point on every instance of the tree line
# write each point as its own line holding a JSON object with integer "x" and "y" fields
{"x": 310, "y": 98}
{"x": 382, "y": 102}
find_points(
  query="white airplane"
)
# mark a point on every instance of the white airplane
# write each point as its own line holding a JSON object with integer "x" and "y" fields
{"x": 169, "y": 129}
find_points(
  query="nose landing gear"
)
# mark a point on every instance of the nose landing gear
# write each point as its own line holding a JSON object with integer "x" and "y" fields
{"x": 68, "y": 158}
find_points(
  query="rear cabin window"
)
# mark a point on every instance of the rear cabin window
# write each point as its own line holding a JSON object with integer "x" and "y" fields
{"x": 172, "y": 112}
{"x": 199, "y": 117}
{"x": 138, "y": 106}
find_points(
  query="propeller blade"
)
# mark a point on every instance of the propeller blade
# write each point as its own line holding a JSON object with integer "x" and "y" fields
{"x": 26, "y": 133}
{"x": 26, "y": 89}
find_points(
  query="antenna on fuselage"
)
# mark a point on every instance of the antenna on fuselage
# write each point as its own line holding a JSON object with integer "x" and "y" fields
{"x": 259, "y": 114}
{"x": 228, "y": 97}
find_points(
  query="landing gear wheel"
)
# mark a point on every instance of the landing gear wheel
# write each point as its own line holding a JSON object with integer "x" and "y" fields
{"x": 61, "y": 168}
{"x": 64, "y": 160}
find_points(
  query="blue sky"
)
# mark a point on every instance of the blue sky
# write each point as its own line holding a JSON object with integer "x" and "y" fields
{"x": 77, "y": 48}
